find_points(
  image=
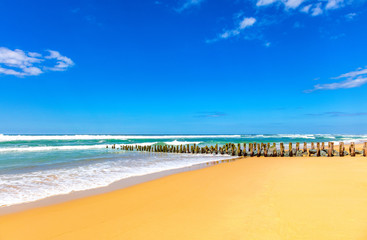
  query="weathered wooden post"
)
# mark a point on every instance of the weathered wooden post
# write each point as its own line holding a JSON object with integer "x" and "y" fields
{"x": 330, "y": 151}
{"x": 322, "y": 146}
{"x": 312, "y": 145}
{"x": 233, "y": 150}
{"x": 341, "y": 149}
{"x": 251, "y": 149}
{"x": 244, "y": 150}
{"x": 258, "y": 150}
{"x": 275, "y": 154}
{"x": 290, "y": 150}
{"x": 282, "y": 149}
{"x": 304, "y": 147}
{"x": 318, "y": 149}
{"x": 297, "y": 147}
{"x": 352, "y": 149}
{"x": 239, "y": 152}
{"x": 365, "y": 149}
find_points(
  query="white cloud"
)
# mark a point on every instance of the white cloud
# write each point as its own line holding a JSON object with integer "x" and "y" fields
{"x": 350, "y": 16}
{"x": 188, "y": 4}
{"x": 264, "y": 2}
{"x": 62, "y": 62}
{"x": 287, "y": 3}
{"x": 334, "y": 4}
{"x": 293, "y": 3}
{"x": 306, "y": 8}
{"x": 317, "y": 10}
{"x": 245, "y": 23}
{"x": 358, "y": 72}
{"x": 352, "y": 80}
{"x": 20, "y": 63}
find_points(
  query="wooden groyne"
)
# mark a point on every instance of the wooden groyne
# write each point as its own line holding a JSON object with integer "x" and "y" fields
{"x": 254, "y": 149}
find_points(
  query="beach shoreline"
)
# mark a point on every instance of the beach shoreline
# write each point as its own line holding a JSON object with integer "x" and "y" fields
{"x": 120, "y": 184}
{"x": 250, "y": 198}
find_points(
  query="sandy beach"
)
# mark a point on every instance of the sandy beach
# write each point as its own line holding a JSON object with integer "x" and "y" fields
{"x": 250, "y": 198}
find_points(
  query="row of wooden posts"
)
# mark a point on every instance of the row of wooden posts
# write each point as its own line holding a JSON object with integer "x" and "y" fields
{"x": 253, "y": 149}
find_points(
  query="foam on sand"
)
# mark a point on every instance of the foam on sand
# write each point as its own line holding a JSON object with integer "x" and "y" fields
{"x": 263, "y": 198}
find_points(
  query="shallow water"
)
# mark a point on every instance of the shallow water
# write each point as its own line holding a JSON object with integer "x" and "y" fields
{"x": 33, "y": 167}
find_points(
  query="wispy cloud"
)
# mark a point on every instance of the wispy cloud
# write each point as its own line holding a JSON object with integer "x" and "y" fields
{"x": 338, "y": 114}
{"x": 242, "y": 25}
{"x": 352, "y": 79}
{"x": 21, "y": 63}
{"x": 188, "y": 4}
{"x": 210, "y": 114}
{"x": 314, "y": 8}
{"x": 62, "y": 62}
{"x": 350, "y": 16}
{"x": 293, "y": 3}
{"x": 265, "y": 2}
{"x": 261, "y": 14}
{"x": 334, "y": 4}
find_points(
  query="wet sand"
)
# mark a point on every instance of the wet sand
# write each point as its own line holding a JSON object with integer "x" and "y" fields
{"x": 251, "y": 198}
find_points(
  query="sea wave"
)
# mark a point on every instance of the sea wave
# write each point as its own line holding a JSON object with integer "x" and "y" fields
{"x": 50, "y": 148}
{"x": 26, "y": 187}
{"x": 259, "y": 136}
{"x": 84, "y": 147}
{"x": 175, "y": 142}
{"x": 8, "y": 138}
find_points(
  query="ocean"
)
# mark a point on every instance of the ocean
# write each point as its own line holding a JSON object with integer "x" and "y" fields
{"x": 34, "y": 167}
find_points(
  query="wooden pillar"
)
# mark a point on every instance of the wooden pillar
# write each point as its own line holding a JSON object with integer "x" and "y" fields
{"x": 341, "y": 149}
{"x": 322, "y": 146}
{"x": 244, "y": 152}
{"x": 352, "y": 149}
{"x": 282, "y": 149}
{"x": 258, "y": 150}
{"x": 318, "y": 149}
{"x": 297, "y": 147}
{"x": 275, "y": 154}
{"x": 304, "y": 147}
{"x": 330, "y": 150}
{"x": 290, "y": 150}
{"x": 365, "y": 149}
{"x": 251, "y": 149}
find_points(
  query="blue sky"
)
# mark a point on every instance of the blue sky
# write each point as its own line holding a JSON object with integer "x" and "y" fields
{"x": 187, "y": 66}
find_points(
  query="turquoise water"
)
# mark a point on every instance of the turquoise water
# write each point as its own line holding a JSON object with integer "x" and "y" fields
{"x": 33, "y": 167}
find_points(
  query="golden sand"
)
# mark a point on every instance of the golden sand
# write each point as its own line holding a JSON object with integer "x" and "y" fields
{"x": 251, "y": 198}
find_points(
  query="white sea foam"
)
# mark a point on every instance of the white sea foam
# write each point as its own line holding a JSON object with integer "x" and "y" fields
{"x": 6, "y": 138}
{"x": 31, "y": 186}
{"x": 84, "y": 147}
{"x": 306, "y": 136}
{"x": 175, "y": 142}
{"x": 50, "y": 148}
